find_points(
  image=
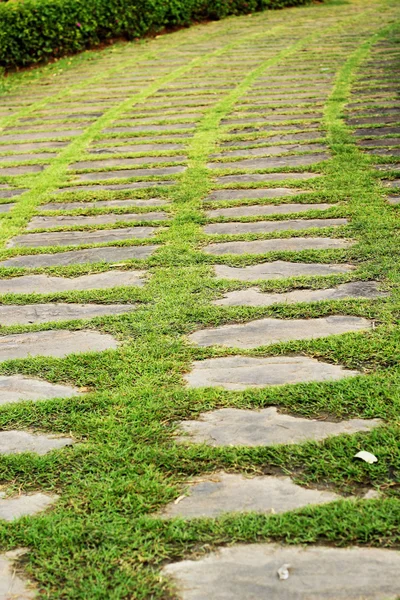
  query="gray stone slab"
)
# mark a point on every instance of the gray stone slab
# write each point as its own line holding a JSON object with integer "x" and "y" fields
{"x": 122, "y": 173}
{"x": 279, "y": 269}
{"x": 271, "y": 331}
{"x": 241, "y": 372}
{"x": 286, "y": 137}
{"x": 375, "y": 131}
{"x": 12, "y": 585}
{"x": 24, "y": 505}
{"x": 77, "y": 238}
{"x": 261, "y": 193}
{"x": 109, "y": 254}
{"x": 44, "y": 284}
{"x": 57, "y": 343}
{"x": 394, "y": 184}
{"x": 255, "y": 210}
{"x": 379, "y": 143}
{"x": 22, "y": 170}
{"x": 41, "y": 135}
{"x": 124, "y": 162}
{"x": 103, "y": 204}
{"x": 26, "y": 157}
{"x": 10, "y": 193}
{"x": 26, "y": 147}
{"x": 273, "y": 118}
{"x": 253, "y": 297}
{"x": 110, "y": 218}
{"x": 137, "y": 185}
{"x": 276, "y": 245}
{"x": 237, "y": 227}
{"x": 6, "y": 207}
{"x": 270, "y": 150}
{"x": 118, "y": 149}
{"x": 156, "y": 127}
{"x": 386, "y": 152}
{"x": 249, "y": 572}
{"x": 219, "y": 493}
{"x": 264, "y": 177}
{"x": 265, "y": 427}
{"x": 16, "y": 442}
{"x": 272, "y": 163}
{"x": 17, "y": 388}
{"x": 394, "y": 200}
{"x": 11, "y": 314}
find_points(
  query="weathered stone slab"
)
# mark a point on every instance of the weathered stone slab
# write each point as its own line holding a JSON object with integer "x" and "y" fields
{"x": 271, "y": 163}
{"x": 241, "y": 372}
{"x": 109, "y": 254}
{"x": 22, "y": 170}
{"x": 136, "y": 185}
{"x": 47, "y": 313}
{"x": 134, "y": 148}
{"x": 57, "y": 343}
{"x": 255, "y": 210}
{"x": 265, "y": 427}
{"x": 237, "y": 227}
{"x": 379, "y": 143}
{"x": 123, "y": 173}
{"x": 76, "y": 238}
{"x": 26, "y": 147}
{"x": 286, "y": 137}
{"x": 155, "y": 127}
{"x": 25, "y": 157}
{"x": 103, "y": 204}
{"x": 247, "y": 572}
{"x": 110, "y": 218}
{"x": 271, "y": 331}
{"x": 15, "y": 442}
{"x": 273, "y": 118}
{"x": 17, "y": 388}
{"x": 252, "y": 193}
{"x": 23, "y": 505}
{"x": 279, "y": 269}
{"x": 270, "y": 150}
{"x": 124, "y": 162}
{"x": 394, "y": 200}
{"x": 41, "y": 135}
{"x": 253, "y": 297}
{"x": 276, "y": 245}
{"x": 12, "y": 586}
{"x": 11, "y": 192}
{"x": 264, "y": 177}
{"x": 6, "y": 207}
{"x": 44, "y": 284}
{"x": 221, "y": 493}
{"x": 386, "y": 152}
{"x": 374, "y": 131}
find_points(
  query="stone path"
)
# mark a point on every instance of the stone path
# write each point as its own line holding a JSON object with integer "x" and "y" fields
{"x": 213, "y": 153}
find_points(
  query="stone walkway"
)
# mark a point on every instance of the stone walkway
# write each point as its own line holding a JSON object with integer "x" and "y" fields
{"x": 181, "y": 198}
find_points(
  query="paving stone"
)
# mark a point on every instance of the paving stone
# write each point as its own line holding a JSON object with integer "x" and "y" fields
{"x": 137, "y": 185}
{"x": 10, "y": 193}
{"x": 394, "y": 200}
{"x": 271, "y": 163}
{"x": 23, "y": 505}
{"x": 265, "y": 427}
{"x": 276, "y": 245}
{"x": 394, "y": 184}
{"x": 374, "y": 131}
{"x": 241, "y": 372}
{"x": 44, "y": 284}
{"x": 24, "y": 157}
{"x": 253, "y": 297}
{"x": 12, "y": 585}
{"x": 273, "y": 118}
{"x": 263, "y": 332}
{"x": 238, "y": 227}
{"x": 17, "y": 388}
{"x": 109, "y": 254}
{"x": 377, "y": 143}
{"x": 264, "y": 177}
{"x": 269, "y": 150}
{"x": 252, "y": 193}
{"x": 134, "y": 148}
{"x": 155, "y": 127}
{"x": 279, "y": 269}
{"x": 122, "y": 162}
{"x": 42, "y": 135}
{"x": 249, "y": 572}
{"x": 71, "y": 238}
{"x": 103, "y": 204}
{"x": 15, "y": 442}
{"x": 46, "y": 313}
{"x": 386, "y": 152}
{"x": 26, "y": 147}
{"x": 219, "y": 493}
{"x": 6, "y": 207}
{"x": 57, "y": 343}
{"x": 255, "y": 210}
{"x": 22, "y": 170}
{"x": 66, "y": 221}
{"x": 122, "y": 173}
{"x": 286, "y": 137}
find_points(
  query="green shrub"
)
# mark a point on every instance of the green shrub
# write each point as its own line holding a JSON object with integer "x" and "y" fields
{"x": 32, "y": 31}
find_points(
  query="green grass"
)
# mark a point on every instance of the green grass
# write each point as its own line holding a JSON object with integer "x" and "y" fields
{"x": 102, "y": 540}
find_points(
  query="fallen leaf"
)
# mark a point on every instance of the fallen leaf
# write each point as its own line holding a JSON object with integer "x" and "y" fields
{"x": 366, "y": 457}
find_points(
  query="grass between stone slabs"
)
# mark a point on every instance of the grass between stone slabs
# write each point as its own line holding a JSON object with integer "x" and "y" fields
{"x": 101, "y": 541}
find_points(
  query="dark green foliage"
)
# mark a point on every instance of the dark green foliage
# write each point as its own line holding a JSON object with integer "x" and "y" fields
{"x": 36, "y": 30}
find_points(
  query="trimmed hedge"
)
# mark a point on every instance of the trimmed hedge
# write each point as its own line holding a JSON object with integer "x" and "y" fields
{"x": 33, "y": 31}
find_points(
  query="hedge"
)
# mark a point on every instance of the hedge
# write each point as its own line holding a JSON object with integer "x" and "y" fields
{"x": 34, "y": 31}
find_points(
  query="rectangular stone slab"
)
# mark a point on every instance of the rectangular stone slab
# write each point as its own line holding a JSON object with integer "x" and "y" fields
{"x": 134, "y": 148}
{"x": 22, "y": 170}
{"x": 272, "y": 163}
{"x": 122, "y": 173}
{"x": 247, "y": 572}
{"x": 279, "y": 192}
{"x": 67, "y": 221}
{"x": 22, "y": 505}
{"x": 17, "y": 388}
{"x": 271, "y": 331}
{"x": 264, "y": 177}
{"x": 109, "y": 254}
{"x": 241, "y": 372}
{"x": 11, "y": 314}
{"x": 269, "y": 150}
{"x": 136, "y": 185}
{"x": 253, "y": 297}
{"x": 276, "y": 245}
{"x": 10, "y": 193}
{"x": 102, "y": 204}
{"x": 236, "y": 227}
{"x": 44, "y": 284}
{"x": 15, "y": 442}
{"x": 279, "y": 269}
{"x": 76, "y": 238}
{"x": 57, "y": 343}
{"x": 255, "y": 210}
{"x": 286, "y": 137}
{"x": 124, "y": 162}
